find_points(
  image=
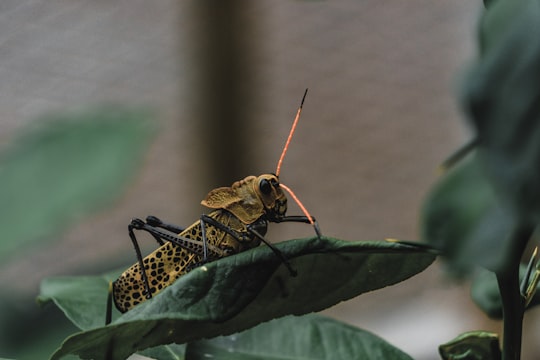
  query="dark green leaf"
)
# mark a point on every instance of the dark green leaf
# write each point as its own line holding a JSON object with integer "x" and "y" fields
{"x": 502, "y": 96}
{"x": 82, "y": 298}
{"x": 488, "y": 3}
{"x": 463, "y": 217}
{"x": 473, "y": 345}
{"x": 496, "y": 22}
{"x": 166, "y": 352}
{"x": 65, "y": 167}
{"x": 485, "y": 293}
{"x": 308, "y": 337}
{"x": 241, "y": 291}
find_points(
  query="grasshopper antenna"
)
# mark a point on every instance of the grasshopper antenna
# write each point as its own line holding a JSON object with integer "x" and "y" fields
{"x": 304, "y": 210}
{"x": 278, "y": 168}
{"x": 293, "y": 128}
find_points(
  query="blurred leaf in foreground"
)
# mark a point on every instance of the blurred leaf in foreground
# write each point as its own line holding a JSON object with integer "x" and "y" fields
{"x": 65, "y": 166}
{"x": 236, "y": 293}
{"x": 464, "y": 218}
{"x": 502, "y": 96}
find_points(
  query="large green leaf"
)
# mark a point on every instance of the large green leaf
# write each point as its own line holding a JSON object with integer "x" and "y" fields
{"x": 241, "y": 291}
{"x": 502, "y": 96}
{"x": 464, "y": 218}
{"x": 309, "y": 337}
{"x": 64, "y": 167}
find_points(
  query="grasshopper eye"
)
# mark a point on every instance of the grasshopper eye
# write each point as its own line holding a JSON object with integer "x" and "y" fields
{"x": 265, "y": 187}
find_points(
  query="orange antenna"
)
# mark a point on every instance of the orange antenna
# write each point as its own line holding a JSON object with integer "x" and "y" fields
{"x": 286, "y": 147}
{"x": 302, "y": 207}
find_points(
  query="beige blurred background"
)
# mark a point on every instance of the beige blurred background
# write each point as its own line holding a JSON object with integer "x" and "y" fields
{"x": 380, "y": 115}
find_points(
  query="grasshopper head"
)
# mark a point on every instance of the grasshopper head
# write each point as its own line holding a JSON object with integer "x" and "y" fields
{"x": 267, "y": 188}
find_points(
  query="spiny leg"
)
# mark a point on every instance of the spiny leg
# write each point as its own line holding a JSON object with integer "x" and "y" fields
{"x": 194, "y": 246}
{"x": 301, "y": 219}
{"x": 252, "y": 229}
{"x": 210, "y": 220}
{"x": 204, "y": 239}
{"x": 156, "y": 222}
{"x": 204, "y": 220}
{"x": 144, "y": 276}
{"x": 290, "y": 218}
{"x": 276, "y": 251}
{"x": 188, "y": 244}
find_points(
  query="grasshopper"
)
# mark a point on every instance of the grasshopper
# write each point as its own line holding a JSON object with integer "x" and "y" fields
{"x": 238, "y": 222}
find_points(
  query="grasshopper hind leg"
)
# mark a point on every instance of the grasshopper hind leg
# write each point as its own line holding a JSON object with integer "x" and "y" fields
{"x": 156, "y": 222}
{"x": 204, "y": 220}
{"x": 135, "y": 224}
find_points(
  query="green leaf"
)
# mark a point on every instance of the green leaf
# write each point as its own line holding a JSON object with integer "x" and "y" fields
{"x": 166, "y": 352}
{"x": 472, "y": 345}
{"x": 502, "y": 97}
{"x": 309, "y": 337}
{"x": 66, "y": 166}
{"x": 485, "y": 293}
{"x": 83, "y": 299}
{"x": 488, "y": 3}
{"x": 243, "y": 290}
{"x": 464, "y": 218}
{"x": 497, "y": 21}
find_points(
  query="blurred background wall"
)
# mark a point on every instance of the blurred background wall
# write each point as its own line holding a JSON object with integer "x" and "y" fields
{"x": 380, "y": 115}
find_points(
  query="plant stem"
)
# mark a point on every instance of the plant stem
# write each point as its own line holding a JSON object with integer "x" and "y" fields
{"x": 513, "y": 309}
{"x": 512, "y": 300}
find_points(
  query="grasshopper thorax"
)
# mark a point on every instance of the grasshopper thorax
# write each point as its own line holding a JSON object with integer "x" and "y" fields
{"x": 250, "y": 198}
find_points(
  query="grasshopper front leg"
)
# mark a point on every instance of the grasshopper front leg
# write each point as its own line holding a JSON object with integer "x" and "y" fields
{"x": 301, "y": 219}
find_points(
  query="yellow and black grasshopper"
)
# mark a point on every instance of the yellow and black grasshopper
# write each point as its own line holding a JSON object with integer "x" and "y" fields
{"x": 238, "y": 222}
